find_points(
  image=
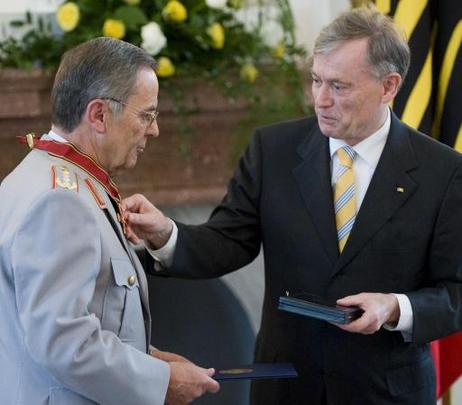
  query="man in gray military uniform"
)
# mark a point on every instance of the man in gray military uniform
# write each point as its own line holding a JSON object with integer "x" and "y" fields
{"x": 75, "y": 322}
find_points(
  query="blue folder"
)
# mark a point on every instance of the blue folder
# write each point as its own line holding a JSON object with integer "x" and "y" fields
{"x": 258, "y": 371}
{"x": 317, "y": 307}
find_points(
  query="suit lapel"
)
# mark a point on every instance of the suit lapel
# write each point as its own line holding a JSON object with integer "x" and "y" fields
{"x": 390, "y": 187}
{"x": 313, "y": 176}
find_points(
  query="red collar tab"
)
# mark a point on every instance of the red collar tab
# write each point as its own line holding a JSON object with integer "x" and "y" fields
{"x": 71, "y": 153}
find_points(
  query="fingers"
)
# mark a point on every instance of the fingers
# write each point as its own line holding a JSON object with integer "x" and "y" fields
{"x": 351, "y": 300}
{"x": 366, "y": 325}
{"x": 138, "y": 203}
{"x": 146, "y": 222}
{"x": 136, "y": 219}
{"x": 209, "y": 371}
{"x": 188, "y": 382}
{"x": 131, "y": 236}
{"x": 133, "y": 202}
{"x": 212, "y": 385}
{"x": 361, "y": 324}
{"x": 378, "y": 309}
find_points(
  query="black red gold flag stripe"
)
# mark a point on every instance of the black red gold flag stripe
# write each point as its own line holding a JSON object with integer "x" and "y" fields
{"x": 430, "y": 99}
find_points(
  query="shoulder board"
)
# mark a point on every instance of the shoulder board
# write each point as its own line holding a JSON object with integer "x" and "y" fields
{"x": 62, "y": 177}
{"x": 95, "y": 193}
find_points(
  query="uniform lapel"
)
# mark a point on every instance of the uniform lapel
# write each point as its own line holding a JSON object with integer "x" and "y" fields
{"x": 313, "y": 176}
{"x": 390, "y": 187}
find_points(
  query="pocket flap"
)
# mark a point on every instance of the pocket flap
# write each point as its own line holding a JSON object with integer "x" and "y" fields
{"x": 411, "y": 378}
{"x": 124, "y": 273}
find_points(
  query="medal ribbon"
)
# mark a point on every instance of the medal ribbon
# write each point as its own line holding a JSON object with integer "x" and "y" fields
{"x": 71, "y": 153}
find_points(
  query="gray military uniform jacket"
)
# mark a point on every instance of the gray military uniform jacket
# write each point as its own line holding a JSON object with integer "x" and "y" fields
{"x": 74, "y": 323}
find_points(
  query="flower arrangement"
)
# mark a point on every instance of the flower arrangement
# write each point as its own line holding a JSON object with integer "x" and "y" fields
{"x": 187, "y": 37}
{"x": 248, "y": 57}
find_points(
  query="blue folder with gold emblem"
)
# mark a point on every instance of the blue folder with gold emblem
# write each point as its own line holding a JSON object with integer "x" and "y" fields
{"x": 258, "y": 371}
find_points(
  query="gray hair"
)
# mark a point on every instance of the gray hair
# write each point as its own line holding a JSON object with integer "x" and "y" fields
{"x": 99, "y": 68}
{"x": 387, "y": 51}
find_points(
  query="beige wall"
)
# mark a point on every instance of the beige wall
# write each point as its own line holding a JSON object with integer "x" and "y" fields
{"x": 311, "y": 15}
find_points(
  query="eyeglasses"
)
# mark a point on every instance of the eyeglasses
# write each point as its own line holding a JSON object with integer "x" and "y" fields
{"x": 148, "y": 116}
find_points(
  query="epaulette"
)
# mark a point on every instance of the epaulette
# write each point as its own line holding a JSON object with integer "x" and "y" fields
{"x": 62, "y": 177}
{"x": 95, "y": 193}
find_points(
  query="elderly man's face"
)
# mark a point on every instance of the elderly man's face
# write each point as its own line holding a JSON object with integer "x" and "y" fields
{"x": 129, "y": 131}
{"x": 347, "y": 98}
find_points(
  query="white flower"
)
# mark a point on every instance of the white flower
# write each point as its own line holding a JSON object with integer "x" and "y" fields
{"x": 219, "y": 4}
{"x": 249, "y": 17}
{"x": 153, "y": 39}
{"x": 272, "y": 33}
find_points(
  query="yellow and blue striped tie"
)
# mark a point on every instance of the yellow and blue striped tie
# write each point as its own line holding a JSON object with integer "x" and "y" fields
{"x": 344, "y": 196}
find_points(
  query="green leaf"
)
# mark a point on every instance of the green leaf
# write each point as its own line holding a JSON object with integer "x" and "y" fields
{"x": 40, "y": 24}
{"x": 17, "y": 23}
{"x": 131, "y": 16}
{"x": 92, "y": 7}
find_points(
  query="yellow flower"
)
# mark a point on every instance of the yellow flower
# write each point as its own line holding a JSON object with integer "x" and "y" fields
{"x": 114, "y": 28}
{"x": 279, "y": 51}
{"x": 217, "y": 33}
{"x": 165, "y": 67}
{"x": 249, "y": 72}
{"x": 68, "y": 16}
{"x": 174, "y": 11}
{"x": 132, "y": 2}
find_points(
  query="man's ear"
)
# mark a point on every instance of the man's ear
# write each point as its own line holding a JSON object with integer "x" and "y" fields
{"x": 96, "y": 113}
{"x": 391, "y": 84}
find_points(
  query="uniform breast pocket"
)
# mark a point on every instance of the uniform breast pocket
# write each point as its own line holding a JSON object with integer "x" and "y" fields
{"x": 122, "y": 311}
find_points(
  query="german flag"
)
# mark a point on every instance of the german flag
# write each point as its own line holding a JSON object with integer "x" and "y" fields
{"x": 431, "y": 101}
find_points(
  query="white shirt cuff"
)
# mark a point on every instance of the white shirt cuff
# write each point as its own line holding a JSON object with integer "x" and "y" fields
{"x": 406, "y": 318}
{"x": 164, "y": 255}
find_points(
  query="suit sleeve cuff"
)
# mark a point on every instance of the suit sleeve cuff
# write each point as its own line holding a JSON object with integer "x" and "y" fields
{"x": 164, "y": 255}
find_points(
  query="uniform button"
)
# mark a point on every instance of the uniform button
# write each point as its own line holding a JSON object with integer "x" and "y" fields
{"x": 131, "y": 280}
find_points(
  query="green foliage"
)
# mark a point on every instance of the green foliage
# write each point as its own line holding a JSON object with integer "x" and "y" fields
{"x": 190, "y": 49}
{"x": 189, "y": 46}
{"x": 133, "y": 17}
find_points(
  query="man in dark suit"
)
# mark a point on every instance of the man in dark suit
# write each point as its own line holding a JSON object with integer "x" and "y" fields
{"x": 352, "y": 205}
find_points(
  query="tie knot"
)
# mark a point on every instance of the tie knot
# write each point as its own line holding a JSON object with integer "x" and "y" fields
{"x": 346, "y": 155}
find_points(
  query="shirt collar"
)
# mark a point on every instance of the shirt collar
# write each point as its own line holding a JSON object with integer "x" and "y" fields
{"x": 56, "y": 137}
{"x": 369, "y": 148}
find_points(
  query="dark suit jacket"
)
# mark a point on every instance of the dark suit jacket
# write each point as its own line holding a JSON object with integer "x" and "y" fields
{"x": 402, "y": 242}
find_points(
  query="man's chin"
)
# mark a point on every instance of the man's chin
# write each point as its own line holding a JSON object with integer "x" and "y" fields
{"x": 121, "y": 169}
{"x": 328, "y": 129}
{"x": 131, "y": 164}
{"x": 329, "y": 132}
